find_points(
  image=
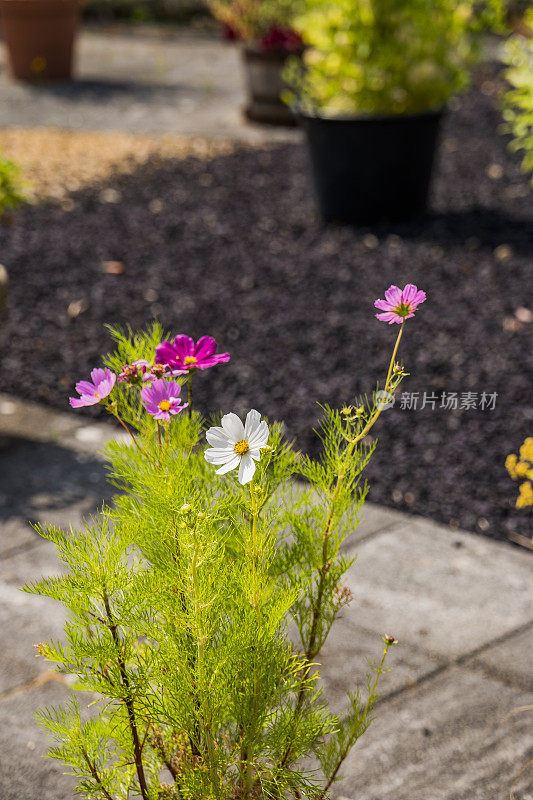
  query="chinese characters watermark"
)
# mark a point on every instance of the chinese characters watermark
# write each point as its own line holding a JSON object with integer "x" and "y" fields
{"x": 447, "y": 401}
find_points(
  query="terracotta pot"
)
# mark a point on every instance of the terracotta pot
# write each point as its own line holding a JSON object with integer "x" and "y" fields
{"x": 39, "y": 35}
{"x": 265, "y": 85}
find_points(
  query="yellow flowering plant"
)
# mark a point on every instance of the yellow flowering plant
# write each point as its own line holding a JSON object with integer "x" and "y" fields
{"x": 521, "y": 467}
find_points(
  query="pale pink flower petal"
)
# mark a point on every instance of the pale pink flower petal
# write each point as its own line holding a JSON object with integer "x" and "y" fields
{"x": 399, "y": 305}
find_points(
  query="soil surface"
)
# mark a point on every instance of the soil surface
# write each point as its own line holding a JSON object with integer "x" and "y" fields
{"x": 226, "y": 241}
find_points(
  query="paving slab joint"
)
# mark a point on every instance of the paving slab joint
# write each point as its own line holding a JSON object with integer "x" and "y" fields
{"x": 463, "y": 660}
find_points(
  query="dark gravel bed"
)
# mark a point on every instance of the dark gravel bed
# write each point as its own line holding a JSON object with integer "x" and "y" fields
{"x": 231, "y": 246}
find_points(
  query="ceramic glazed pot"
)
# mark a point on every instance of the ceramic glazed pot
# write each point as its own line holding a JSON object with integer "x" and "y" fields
{"x": 372, "y": 169}
{"x": 265, "y": 85}
{"x": 39, "y": 36}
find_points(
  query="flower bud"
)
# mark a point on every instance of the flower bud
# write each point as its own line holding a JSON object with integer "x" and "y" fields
{"x": 388, "y": 639}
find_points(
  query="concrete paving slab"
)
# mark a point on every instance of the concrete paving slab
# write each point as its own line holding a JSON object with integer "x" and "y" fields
{"x": 344, "y": 661}
{"x": 24, "y": 773}
{"x": 450, "y": 739}
{"x": 152, "y": 81}
{"x": 16, "y": 535}
{"x": 21, "y": 418}
{"x": 26, "y": 619}
{"x": 376, "y": 518}
{"x": 24, "y": 420}
{"x": 445, "y": 592}
{"x": 510, "y": 660}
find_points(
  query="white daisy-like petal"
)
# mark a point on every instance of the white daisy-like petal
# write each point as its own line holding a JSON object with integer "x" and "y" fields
{"x": 246, "y": 469}
{"x": 259, "y": 437}
{"x": 219, "y": 455}
{"x": 233, "y": 427}
{"x": 236, "y": 445}
{"x": 231, "y": 464}
{"x": 217, "y": 437}
{"x": 253, "y": 419}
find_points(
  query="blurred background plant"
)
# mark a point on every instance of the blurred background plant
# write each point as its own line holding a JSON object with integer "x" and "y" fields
{"x": 521, "y": 468}
{"x": 11, "y": 188}
{"x": 518, "y": 101}
{"x": 388, "y": 56}
{"x": 269, "y": 23}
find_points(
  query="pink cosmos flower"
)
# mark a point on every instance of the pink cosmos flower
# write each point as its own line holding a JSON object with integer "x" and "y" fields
{"x": 103, "y": 381}
{"x": 161, "y": 399}
{"x": 141, "y": 371}
{"x": 134, "y": 372}
{"x": 184, "y": 355}
{"x": 400, "y": 305}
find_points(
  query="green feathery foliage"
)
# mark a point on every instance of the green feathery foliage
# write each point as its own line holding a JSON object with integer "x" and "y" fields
{"x": 518, "y": 100}
{"x": 198, "y": 608}
{"x": 11, "y": 187}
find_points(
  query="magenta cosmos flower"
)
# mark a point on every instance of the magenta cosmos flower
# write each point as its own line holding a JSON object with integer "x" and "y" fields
{"x": 103, "y": 381}
{"x": 184, "y": 355}
{"x": 161, "y": 399}
{"x": 399, "y": 305}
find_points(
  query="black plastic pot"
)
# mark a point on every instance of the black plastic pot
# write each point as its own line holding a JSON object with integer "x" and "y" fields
{"x": 372, "y": 169}
{"x": 265, "y": 85}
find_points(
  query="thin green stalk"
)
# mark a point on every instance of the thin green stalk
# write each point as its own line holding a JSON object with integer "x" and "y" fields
{"x": 128, "y": 699}
{"x": 128, "y": 430}
{"x": 310, "y": 651}
{"x": 379, "y": 410}
{"x": 200, "y": 653}
{"x": 369, "y": 704}
{"x": 189, "y": 394}
{"x": 95, "y": 775}
{"x": 247, "y": 750}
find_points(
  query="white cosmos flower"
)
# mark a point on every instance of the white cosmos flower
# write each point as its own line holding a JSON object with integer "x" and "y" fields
{"x": 236, "y": 445}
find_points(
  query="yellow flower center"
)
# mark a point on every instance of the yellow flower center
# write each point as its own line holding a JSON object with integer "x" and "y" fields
{"x": 241, "y": 447}
{"x": 164, "y": 405}
{"x": 188, "y": 360}
{"x": 97, "y": 395}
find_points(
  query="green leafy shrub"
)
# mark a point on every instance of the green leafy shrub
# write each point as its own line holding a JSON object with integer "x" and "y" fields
{"x": 11, "y": 187}
{"x": 182, "y": 595}
{"x": 386, "y": 56}
{"x": 518, "y": 100}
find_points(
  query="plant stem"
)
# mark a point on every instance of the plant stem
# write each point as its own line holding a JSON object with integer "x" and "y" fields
{"x": 311, "y": 651}
{"x": 189, "y": 394}
{"x": 246, "y": 754}
{"x": 95, "y": 775}
{"x": 200, "y": 651}
{"x": 379, "y": 410}
{"x": 128, "y": 699}
{"x": 136, "y": 443}
{"x": 351, "y": 741}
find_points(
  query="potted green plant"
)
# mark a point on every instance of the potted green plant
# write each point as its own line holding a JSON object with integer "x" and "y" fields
{"x": 371, "y": 90}
{"x": 264, "y": 27}
{"x": 39, "y": 36}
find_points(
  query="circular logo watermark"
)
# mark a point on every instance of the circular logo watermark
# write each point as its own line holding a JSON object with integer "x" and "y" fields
{"x": 384, "y": 400}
